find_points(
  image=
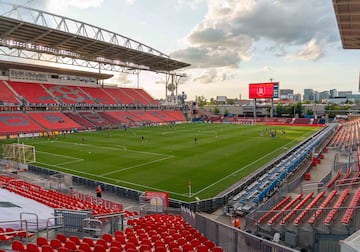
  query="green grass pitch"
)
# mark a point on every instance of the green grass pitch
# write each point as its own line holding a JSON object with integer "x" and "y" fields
{"x": 168, "y": 157}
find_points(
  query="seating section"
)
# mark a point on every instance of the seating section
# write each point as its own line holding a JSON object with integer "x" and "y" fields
{"x": 69, "y": 94}
{"x": 149, "y": 99}
{"x": 324, "y": 204}
{"x": 34, "y": 93}
{"x": 307, "y": 209}
{"x": 302, "y": 121}
{"x": 329, "y": 218}
{"x": 79, "y": 119}
{"x": 154, "y": 232}
{"x": 53, "y": 120}
{"x": 298, "y": 206}
{"x": 277, "y": 207}
{"x": 349, "y": 212}
{"x": 287, "y": 207}
{"x": 51, "y": 198}
{"x": 98, "y": 95}
{"x": 138, "y": 98}
{"x": 94, "y": 118}
{"x": 6, "y": 95}
{"x": 120, "y": 96}
{"x": 17, "y": 122}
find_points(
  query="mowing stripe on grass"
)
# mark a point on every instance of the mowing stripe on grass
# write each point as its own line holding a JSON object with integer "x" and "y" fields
{"x": 53, "y": 154}
{"x": 138, "y": 165}
{"x": 121, "y": 149}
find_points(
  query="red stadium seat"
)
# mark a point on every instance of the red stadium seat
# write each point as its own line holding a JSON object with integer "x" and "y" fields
{"x": 55, "y": 243}
{"x": 99, "y": 248}
{"x": 31, "y": 247}
{"x": 41, "y": 241}
{"x": 47, "y": 248}
{"x": 70, "y": 245}
{"x": 85, "y": 247}
{"x": 61, "y": 237}
{"x": 18, "y": 246}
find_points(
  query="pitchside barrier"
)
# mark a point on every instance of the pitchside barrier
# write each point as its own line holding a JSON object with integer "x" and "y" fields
{"x": 230, "y": 238}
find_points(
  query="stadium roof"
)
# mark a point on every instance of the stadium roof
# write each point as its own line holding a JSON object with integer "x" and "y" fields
{"x": 43, "y": 32}
{"x": 44, "y": 68}
{"x": 348, "y": 18}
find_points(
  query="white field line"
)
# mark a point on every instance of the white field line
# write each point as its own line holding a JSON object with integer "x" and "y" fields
{"x": 122, "y": 169}
{"x": 138, "y": 165}
{"x": 75, "y": 159}
{"x": 118, "y": 149}
{"x": 112, "y": 179}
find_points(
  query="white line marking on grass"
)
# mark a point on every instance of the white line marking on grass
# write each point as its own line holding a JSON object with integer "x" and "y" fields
{"x": 118, "y": 149}
{"x": 138, "y": 165}
{"x": 71, "y": 162}
{"x": 111, "y": 179}
{"x": 59, "y": 155}
{"x": 122, "y": 146}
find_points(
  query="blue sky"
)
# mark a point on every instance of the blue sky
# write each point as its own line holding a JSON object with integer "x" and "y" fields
{"x": 229, "y": 43}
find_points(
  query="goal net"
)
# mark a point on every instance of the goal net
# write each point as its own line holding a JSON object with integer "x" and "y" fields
{"x": 20, "y": 153}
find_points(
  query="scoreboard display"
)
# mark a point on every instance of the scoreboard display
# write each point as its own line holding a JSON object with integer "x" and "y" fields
{"x": 264, "y": 90}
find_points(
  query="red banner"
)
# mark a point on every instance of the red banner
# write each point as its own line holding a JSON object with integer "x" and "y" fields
{"x": 261, "y": 90}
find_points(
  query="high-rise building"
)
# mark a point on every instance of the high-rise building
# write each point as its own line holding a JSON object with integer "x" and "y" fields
{"x": 308, "y": 94}
{"x": 333, "y": 93}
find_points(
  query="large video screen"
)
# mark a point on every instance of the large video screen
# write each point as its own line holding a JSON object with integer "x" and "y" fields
{"x": 264, "y": 90}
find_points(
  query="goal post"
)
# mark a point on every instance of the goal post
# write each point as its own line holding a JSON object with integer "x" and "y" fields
{"x": 20, "y": 153}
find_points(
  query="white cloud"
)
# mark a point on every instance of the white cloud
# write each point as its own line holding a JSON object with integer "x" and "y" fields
{"x": 231, "y": 31}
{"x": 311, "y": 51}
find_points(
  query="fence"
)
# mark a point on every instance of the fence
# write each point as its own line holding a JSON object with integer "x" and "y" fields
{"x": 230, "y": 238}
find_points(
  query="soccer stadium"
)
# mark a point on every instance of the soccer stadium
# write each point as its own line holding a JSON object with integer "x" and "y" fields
{"x": 91, "y": 167}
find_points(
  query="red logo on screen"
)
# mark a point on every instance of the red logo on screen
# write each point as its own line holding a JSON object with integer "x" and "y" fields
{"x": 260, "y": 91}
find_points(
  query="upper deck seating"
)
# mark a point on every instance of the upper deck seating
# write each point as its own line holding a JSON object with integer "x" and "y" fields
{"x": 137, "y": 97}
{"x": 54, "y": 120}
{"x": 34, "y": 93}
{"x": 98, "y": 95}
{"x": 69, "y": 94}
{"x": 149, "y": 99}
{"x": 119, "y": 95}
{"x": 17, "y": 122}
{"x": 6, "y": 95}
